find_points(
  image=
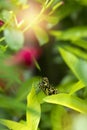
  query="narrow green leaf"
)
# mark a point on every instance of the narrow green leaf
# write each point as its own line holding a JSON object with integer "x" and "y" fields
{"x": 41, "y": 35}
{"x": 77, "y": 51}
{"x": 2, "y": 39}
{"x": 13, "y": 125}
{"x": 77, "y": 65}
{"x": 80, "y": 42}
{"x": 32, "y": 103}
{"x": 14, "y": 38}
{"x": 36, "y": 64}
{"x": 56, "y": 6}
{"x": 77, "y": 86}
{"x": 71, "y": 34}
{"x": 67, "y": 100}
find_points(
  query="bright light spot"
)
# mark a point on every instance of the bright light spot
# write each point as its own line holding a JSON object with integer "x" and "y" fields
{"x": 30, "y": 15}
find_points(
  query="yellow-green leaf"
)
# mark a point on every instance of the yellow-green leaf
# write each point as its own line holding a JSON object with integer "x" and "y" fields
{"x": 13, "y": 125}
{"x": 41, "y": 35}
{"x": 67, "y": 100}
{"x": 77, "y": 86}
{"x": 32, "y": 103}
{"x": 77, "y": 65}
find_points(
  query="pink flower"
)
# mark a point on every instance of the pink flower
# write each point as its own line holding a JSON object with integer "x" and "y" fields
{"x": 25, "y": 57}
{"x": 1, "y": 23}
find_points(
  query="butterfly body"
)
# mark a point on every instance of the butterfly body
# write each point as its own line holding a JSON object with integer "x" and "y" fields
{"x": 46, "y": 87}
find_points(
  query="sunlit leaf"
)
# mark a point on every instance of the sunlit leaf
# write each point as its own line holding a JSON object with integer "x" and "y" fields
{"x": 56, "y": 6}
{"x": 77, "y": 86}
{"x": 32, "y": 117}
{"x": 41, "y": 35}
{"x": 67, "y": 100}
{"x": 70, "y": 85}
{"x": 32, "y": 103}
{"x": 13, "y": 125}
{"x": 51, "y": 19}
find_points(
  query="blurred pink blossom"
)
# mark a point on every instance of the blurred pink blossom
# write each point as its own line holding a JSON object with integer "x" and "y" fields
{"x": 1, "y": 23}
{"x": 25, "y": 56}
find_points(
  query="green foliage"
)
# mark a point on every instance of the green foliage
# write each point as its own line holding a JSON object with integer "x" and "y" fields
{"x": 62, "y": 25}
{"x": 70, "y": 101}
{"x": 41, "y": 35}
{"x": 11, "y": 34}
{"x": 26, "y": 88}
{"x": 32, "y": 102}
{"x": 77, "y": 65}
{"x": 71, "y": 34}
{"x": 32, "y": 117}
{"x": 57, "y": 118}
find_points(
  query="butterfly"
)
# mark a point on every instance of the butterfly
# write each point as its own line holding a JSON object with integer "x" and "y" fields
{"x": 46, "y": 87}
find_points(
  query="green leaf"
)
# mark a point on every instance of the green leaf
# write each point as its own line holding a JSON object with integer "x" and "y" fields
{"x": 67, "y": 100}
{"x": 83, "y": 2}
{"x": 77, "y": 86}
{"x": 71, "y": 34}
{"x": 77, "y": 65}
{"x": 2, "y": 39}
{"x": 13, "y": 125}
{"x": 14, "y": 38}
{"x": 77, "y": 51}
{"x": 36, "y": 64}
{"x": 51, "y": 19}
{"x": 69, "y": 7}
{"x": 22, "y": 1}
{"x": 5, "y": 4}
{"x": 41, "y": 1}
{"x": 32, "y": 103}
{"x": 80, "y": 42}
{"x": 56, "y": 6}
{"x": 41, "y": 35}
{"x": 3, "y": 48}
{"x": 32, "y": 117}
{"x": 26, "y": 88}
{"x": 11, "y": 103}
{"x": 9, "y": 73}
{"x": 6, "y": 15}
{"x": 60, "y": 117}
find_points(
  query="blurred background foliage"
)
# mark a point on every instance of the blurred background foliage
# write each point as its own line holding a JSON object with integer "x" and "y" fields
{"x": 43, "y": 38}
